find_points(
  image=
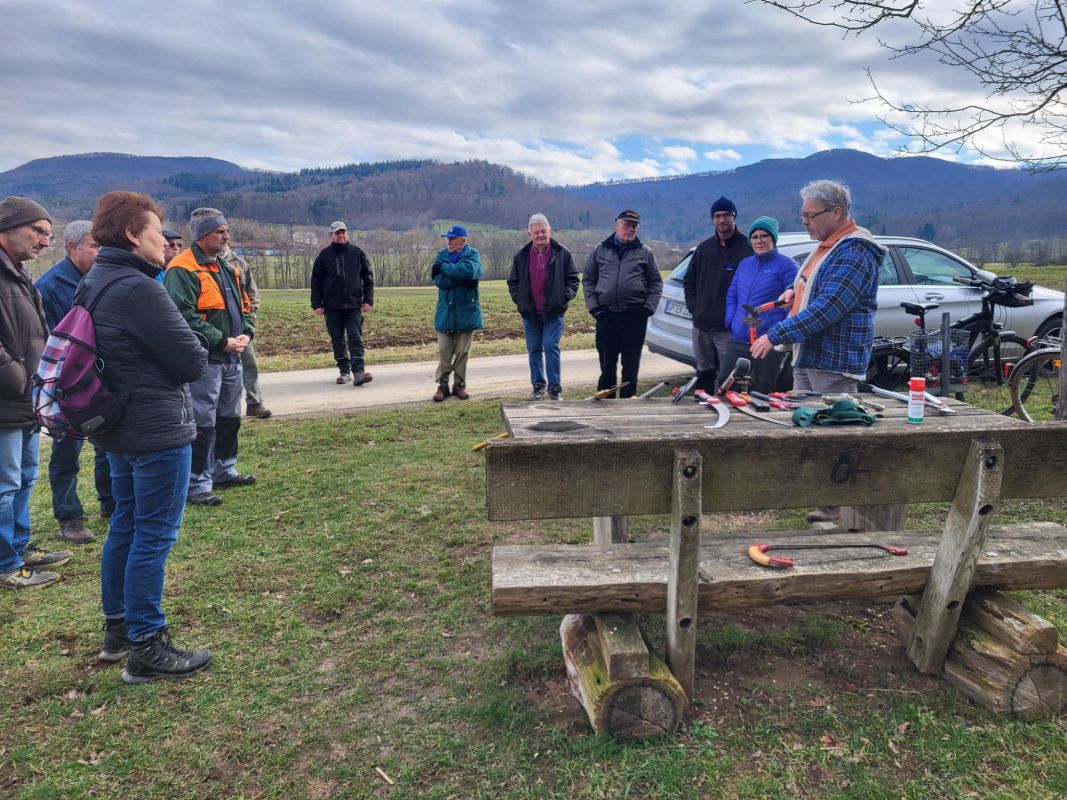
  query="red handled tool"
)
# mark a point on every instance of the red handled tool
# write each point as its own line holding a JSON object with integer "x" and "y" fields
{"x": 753, "y": 319}
{"x": 758, "y": 552}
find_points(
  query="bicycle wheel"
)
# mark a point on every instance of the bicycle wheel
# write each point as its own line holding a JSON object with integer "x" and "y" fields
{"x": 888, "y": 368}
{"x": 987, "y": 375}
{"x": 1035, "y": 385}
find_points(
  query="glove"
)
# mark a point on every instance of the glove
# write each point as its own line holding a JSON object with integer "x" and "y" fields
{"x": 435, "y": 270}
{"x": 843, "y": 412}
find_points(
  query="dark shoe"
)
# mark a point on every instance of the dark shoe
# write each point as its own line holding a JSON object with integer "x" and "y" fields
{"x": 236, "y": 480}
{"x": 106, "y": 512}
{"x": 36, "y": 557}
{"x": 74, "y": 531}
{"x": 361, "y": 378}
{"x": 204, "y": 499}
{"x": 441, "y": 394}
{"x": 460, "y": 392}
{"x": 116, "y": 640}
{"x": 258, "y": 410}
{"x": 824, "y": 514}
{"x": 344, "y": 377}
{"x": 157, "y": 657}
{"x": 538, "y": 393}
{"x": 555, "y": 393}
{"x": 27, "y": 578}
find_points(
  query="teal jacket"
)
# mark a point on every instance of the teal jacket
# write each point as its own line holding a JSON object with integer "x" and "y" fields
{"x": 458, "y": 306}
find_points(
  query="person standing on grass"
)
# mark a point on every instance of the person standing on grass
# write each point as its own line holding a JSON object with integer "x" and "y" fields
{"x": 249, "y": 367}
{"x": 213, "y": 301}
{"x": 622, "y": 289}
{"x": 342, "y": 290}
{"x": 57, "y": 288}
{"x": 456, "y": 271}
{"x": 542, "y": 283}
{"x": 25, "y": 230}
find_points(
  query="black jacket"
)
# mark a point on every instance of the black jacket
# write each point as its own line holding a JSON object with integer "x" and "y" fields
{"x": 23, "y": 333}
{"x": 622, "y": 278}
{"x": 341, "y": 278}
{"x": 561, "y": 281}
{"x": 711, "y": 270}
{"x": 138, "y": 328}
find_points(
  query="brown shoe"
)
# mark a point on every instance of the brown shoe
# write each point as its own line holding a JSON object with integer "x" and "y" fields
{"x": 344, "y": 377}
{"x": 824, "y": 514}
{"x": 441, "y": 394}
{"x": 258, "y": 410}
{"x": 460, "y": 392}
{"x": 75, "y": 531}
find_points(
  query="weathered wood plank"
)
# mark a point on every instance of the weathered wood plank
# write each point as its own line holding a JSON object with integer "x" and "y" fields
{"x": 968, "y": 521}
{"x": 605, "y": 476}
{"x": 561, "y": 579}
{"x": 611, "y": 530}
{"x": 622, "y": 645}
{"x": 683, "y": 579}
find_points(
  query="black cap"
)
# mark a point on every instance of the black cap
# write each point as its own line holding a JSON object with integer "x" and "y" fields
{"x": 629, "y": 215}
{"x": 723, "y": 204}
{"x": 168, "y": 234}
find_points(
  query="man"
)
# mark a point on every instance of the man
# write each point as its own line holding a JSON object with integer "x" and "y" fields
{"x": 57, "y": 288}
{"x": 342, "y": 290}
{"x": 172, "y": 247}
{"x": 833, "y": 299}
{"x": 456, "y": 271}
{"x": 706, "y": 282}
{"x": 622, "y": 289}
{"x": 542, "y": 283}
{"x": 25, "y": 230}
{"x": 214, "y": 303}
{"x": 249, "y": 367}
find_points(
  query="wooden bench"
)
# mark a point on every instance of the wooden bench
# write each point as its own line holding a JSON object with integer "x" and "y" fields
{"x": 612, "y": 460}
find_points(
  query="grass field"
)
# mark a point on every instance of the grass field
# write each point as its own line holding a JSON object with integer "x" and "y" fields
{"x": 346, "y": 600}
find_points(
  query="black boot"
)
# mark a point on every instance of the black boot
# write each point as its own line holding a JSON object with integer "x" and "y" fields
{"x": 157, "y": 657}
{"x": 116, "y": 640}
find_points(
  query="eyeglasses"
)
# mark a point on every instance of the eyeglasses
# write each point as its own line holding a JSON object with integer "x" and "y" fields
{"x": 810, "y": 217}
{"x": 42, "y": 232}
{"x": 760, "y": 237}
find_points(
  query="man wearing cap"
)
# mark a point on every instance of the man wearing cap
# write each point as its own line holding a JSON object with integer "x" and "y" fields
{"x": 249, "y": 367}
{"x": 455, "y": 271}
{"x": 622, "y": 288}
{"x": 706, "y": 282}
{"x": 57, "y": 288}
{"x": 170, "y": 249}
{"x": 25, "y": 230}
{"x": 342, "y": 290}
{"x": 542, "y": 283}
{"x": 214, "y": 303}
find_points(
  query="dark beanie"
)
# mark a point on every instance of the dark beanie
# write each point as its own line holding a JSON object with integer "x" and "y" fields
{"x": 723, "y": 204}
{"x": 15, "y": 211}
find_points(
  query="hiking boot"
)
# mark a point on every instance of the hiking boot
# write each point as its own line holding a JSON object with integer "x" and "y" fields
{"x": 361, "y": 378}
{"x": 344, "y": 377}
{"x": 116, "y": 640}
{"x": 36, "y": 557}
{"x": 27, "y": 578}
{"x": 204, "y": 499}
{"x": 74, "y": 530}
{"x": 538, "y": 393}
{"x": 106, "y": 512}
{"x": 459, "y": 391}
{"x": 236, "y": 480}
{"x": 555, "y": 394}
{"x": 824, "y": 514}
{"x": 441, "y": 394}
{"x": 258, "y": 410}
{"x": 157, "y": 657}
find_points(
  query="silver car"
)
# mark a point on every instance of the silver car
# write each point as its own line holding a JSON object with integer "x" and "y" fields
{"x": 912, "y": 271}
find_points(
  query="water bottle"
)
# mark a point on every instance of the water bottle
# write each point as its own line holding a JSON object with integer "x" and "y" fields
{"x": 916, "y": 400}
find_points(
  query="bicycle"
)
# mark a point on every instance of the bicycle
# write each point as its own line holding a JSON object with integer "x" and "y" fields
{"x": 1035, "y": 382}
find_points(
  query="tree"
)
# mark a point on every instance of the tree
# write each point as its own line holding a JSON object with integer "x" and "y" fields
{"x": 1016, "y": 50}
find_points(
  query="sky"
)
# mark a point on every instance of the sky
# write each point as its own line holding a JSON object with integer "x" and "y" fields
{"x": 567, "y": 92}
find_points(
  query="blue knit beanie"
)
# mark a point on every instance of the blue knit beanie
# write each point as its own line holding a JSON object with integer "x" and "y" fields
{"x": 769, "y": 224}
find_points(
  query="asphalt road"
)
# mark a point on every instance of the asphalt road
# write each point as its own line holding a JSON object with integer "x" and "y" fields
{"x": 313, "y": 392}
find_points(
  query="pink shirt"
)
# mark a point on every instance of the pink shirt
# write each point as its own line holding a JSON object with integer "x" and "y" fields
{"x": 538, "y": 272}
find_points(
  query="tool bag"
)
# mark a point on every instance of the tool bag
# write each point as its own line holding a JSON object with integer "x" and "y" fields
{"x": 843, "y": 412}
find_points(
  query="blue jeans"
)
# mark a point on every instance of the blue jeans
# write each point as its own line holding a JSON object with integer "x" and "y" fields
{"x": 149, "y": 490}
{"x": 63, "y": 470}
{"x": 542, "y": 343}
{"x": 18, "y": 471}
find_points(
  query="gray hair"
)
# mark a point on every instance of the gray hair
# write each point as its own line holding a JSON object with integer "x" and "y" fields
{"x": 534, "y": 219}
{"x": 76, "y": 232}
{"x": 830, "y": 193}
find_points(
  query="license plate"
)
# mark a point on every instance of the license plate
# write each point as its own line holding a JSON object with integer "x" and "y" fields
{"x": 677, "y": 309}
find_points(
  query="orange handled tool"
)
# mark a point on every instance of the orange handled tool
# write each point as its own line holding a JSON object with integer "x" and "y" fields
{"x": 758, "y": 552}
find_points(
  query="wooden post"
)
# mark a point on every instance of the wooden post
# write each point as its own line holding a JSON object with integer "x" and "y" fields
{"x": 611, "y": 530}
{"x": 683, "y": 579}
{"x": 886, "y": 517}
{"x": 977, "y": 494}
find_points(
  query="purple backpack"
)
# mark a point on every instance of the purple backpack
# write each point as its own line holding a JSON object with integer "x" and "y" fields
{"x": 69, "y": 395}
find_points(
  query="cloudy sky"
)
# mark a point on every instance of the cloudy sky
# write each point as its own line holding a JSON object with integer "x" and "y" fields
{"x": 567, "y": 91}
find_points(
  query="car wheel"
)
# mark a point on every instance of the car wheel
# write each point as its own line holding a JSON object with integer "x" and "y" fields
{"x": 1049, "y": 327}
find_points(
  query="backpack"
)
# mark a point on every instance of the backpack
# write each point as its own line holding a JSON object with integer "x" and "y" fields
{"x": 69, "y": 395}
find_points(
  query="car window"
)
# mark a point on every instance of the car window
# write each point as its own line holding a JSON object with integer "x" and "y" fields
{"x": 678, "y": 273}
{"x": 930, "y": 267}
{"x": 887, "y": 271}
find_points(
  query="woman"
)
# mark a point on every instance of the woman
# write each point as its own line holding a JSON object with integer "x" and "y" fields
{"x": 147, "y": 348}
{"x": 760, "y": 278}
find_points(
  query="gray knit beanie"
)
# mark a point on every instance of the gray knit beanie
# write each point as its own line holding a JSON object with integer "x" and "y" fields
{"x": 204, "y": 220}
{"x": 15, "y": 211}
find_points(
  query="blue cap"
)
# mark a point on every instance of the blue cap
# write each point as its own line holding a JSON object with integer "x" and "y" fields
{"x": 454, "y": 231}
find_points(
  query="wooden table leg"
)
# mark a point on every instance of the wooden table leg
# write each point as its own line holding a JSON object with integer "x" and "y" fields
{"x": 684, "y": 577}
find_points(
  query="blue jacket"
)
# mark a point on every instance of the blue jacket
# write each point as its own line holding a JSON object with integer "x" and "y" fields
{"x": 758, "y": 280}
{"x": 456, "y": 277}
{"x": 57, "y": 288}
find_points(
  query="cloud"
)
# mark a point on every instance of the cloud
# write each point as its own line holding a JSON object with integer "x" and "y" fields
{"x": 722, "y": 155}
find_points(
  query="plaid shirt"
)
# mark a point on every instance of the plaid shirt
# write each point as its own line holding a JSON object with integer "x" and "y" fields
{"x": 836, "y": 329}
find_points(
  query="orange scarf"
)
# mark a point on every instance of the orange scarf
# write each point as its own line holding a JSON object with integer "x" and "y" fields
{"x": 808, "y": 270}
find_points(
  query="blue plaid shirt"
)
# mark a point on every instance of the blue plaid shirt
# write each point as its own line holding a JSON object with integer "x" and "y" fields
{"x": 837, "y": 327}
